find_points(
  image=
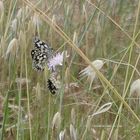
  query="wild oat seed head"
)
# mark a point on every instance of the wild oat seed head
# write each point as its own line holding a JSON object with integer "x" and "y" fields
{"x": 27, "y": 10}
{"x": 73, "y": 116}
{"x": 135, "y": 88}
{"x": 89, "y": 72}
{"x": 36, "y": 20}
{"x": 73, "y": 132}
{"x": 1, "y": 7}
{"x": 84, "y": 9}
{"x": 19, "y": 13}
{"x": 62, "y": 134}
{"x": 14, "y": 25}
{"x": 56, "y": 121}
{"x": 104, "y": 108}
{"x": 54, "y": 19}
{"x": 12, "y": 47}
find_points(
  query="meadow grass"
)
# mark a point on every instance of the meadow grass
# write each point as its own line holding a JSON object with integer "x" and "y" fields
{"x": 106, "y": 107}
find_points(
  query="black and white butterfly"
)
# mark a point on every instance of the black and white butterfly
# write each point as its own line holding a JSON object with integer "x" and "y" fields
{"x": 53, "y": 84}
{"x": 40, "y": 54}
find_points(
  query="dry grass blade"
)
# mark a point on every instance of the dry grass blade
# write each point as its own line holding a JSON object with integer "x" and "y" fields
{"x": 1, "y": 109}
{"x": 102, "y": 109}
{"x": 70, "y": 42}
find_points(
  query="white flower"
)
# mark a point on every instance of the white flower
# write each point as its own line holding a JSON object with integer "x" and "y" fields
{"x": 135, "y": 88}
{"x": 57, "y": 60}
{"x": 89, "y": 72}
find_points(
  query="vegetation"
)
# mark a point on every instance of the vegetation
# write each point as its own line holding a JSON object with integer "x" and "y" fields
{"x": 100, "y": 87}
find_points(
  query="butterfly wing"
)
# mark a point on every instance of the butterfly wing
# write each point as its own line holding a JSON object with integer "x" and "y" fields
{"x": 39, "y": 61}
{"x": 40, "y": 54}
{"x": 52, "y": 87}
{"x": 53, "y": 84}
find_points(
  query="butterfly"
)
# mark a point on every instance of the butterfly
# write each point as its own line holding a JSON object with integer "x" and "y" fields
{"x": 43, "y": 55}
{"x": 53, "y": 84}
{"x": 40, "y": 54}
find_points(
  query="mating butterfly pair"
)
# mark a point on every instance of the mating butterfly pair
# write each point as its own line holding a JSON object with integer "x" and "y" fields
{"x": 41, "y": 54}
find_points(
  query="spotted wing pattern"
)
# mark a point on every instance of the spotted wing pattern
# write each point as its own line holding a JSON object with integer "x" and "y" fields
{"x": 40, "y": 54}
{"x": 53, "y": 84}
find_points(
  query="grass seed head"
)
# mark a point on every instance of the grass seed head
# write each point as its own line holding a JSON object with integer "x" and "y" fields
{"x": 73, "y": 132}
{"x": 56, "y": 122}
{"x": 62, "y": 134}
{"x": 89, "y": 72}
{"x": 14, "y": 25}
{"x": 19, "y": 13}
{"x": 73, "y": 117}
{"x": 1, "y": 7}
{"x": 36, "y": 20}
{"x": 135, "y": 88}
{"x": 12, "y": 48}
